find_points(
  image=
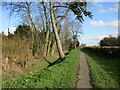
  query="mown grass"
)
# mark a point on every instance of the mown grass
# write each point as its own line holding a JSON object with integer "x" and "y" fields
{"x": 104, "y": 70}
{"x": 62, "y": 75}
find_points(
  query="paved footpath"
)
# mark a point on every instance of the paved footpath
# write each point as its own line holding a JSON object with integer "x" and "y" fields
{"x": 83, "y": 73}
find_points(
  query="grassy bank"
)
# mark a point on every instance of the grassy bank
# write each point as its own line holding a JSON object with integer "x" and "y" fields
{"x": 62, "y": 75}
{"x": 104, "y": 70}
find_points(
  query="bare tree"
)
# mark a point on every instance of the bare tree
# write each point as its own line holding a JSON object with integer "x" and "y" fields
{"x": 59, "y": 46}
{"x": 47, "y": 27}
{"x": 76, "y": 30}
{"x": 52, "y": 12}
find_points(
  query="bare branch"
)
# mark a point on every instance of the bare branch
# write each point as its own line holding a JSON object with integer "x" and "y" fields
{"x": 59, "y": 17}
{"x": 60, "y": 6}
{"x": 63, "y": 16}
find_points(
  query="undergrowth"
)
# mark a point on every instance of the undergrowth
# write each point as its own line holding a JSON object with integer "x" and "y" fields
{"x": 62, "y": 75}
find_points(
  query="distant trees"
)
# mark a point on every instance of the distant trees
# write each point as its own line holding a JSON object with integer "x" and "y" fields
{"x": 110, "y": 41}
{"x": 83, "y": 45}
{"x": 76, "y": 30}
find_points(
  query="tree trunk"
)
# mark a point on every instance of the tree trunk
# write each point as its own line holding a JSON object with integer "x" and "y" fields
{"x": 32, "y": 26}
{"x": 59, "y": 46}
{"x": 75, "y": 46}
{"x": 47, "y": 29}
{"x": 53, "y": 48}
{"x": 58, "y": 22}
{"x": 48, "y": 49}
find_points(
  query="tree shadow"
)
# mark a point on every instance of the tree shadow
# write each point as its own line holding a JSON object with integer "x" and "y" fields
{"x": 66, "y": 53}
{"x": 59, "y": 60}
{"x": 47, "y": 60}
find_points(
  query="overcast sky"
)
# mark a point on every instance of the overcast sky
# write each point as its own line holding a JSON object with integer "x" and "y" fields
{"x": 104, "y": 22}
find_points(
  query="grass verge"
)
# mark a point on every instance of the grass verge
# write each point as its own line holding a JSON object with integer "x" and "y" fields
{"x": 62, "y": 75}
{"x": 104, "y": 70}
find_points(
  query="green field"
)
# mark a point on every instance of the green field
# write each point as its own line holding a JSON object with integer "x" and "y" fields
{"x": 104, "y": 70}
{"x": 62, "y": 75}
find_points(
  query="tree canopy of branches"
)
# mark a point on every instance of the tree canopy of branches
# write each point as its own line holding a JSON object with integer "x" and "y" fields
{"x": 43, "y": 20}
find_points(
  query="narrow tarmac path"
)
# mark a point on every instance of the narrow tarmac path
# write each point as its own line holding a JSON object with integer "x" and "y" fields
{"x": 83, "y": 73}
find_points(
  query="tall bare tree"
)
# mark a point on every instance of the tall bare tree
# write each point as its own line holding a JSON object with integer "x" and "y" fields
{"x": 47, "y": 28}
{"x": 78, "y": 9}
{"x": 76, "y": 30}
{"x": 59, "y": 46}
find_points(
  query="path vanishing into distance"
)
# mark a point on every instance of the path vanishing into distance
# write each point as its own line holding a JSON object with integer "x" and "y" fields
{"x": 83, "y": 73}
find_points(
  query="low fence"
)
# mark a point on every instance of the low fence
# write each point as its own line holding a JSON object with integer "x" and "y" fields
{"x": 111, "y": 51}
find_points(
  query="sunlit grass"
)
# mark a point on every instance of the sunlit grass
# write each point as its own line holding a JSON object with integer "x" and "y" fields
{"x": 62, "y": 75}
{"x": 104, "y": 70}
